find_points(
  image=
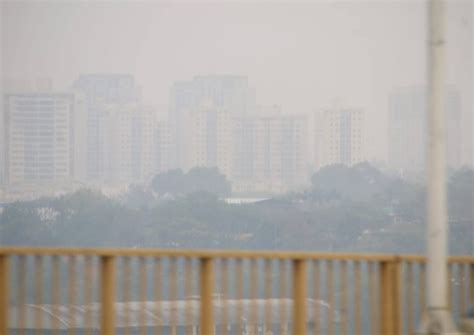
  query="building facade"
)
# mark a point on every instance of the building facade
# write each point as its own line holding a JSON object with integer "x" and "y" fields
{"x": 209, "y": 139}
{"x": 161, "y": 147}
{"x": 43, "y": 139}
{"x": 100, "y": 92}
{"x": 270, "y": 152}
{"x": 229, "y": 94}
{"x": 129, "y": 143}
{"x": 338, "y": 137}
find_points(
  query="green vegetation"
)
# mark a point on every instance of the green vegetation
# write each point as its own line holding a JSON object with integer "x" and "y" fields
{"x": 198, "y": 179}
{"x": 346, "y": 209}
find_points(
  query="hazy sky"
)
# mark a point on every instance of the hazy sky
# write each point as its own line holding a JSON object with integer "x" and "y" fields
{"x": 301, "y": 55}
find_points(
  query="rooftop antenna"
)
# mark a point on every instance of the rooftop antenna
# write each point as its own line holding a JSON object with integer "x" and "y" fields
{"x": 437, "y": 316}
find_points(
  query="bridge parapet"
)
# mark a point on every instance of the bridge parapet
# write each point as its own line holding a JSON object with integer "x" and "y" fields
{"x": 218, "y": 292}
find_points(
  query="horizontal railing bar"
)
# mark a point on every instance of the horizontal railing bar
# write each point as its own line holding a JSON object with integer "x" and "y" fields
{"x": 248, "y": 254}
{"x": 461, "y": 259}
{"x": 123, "y": 252}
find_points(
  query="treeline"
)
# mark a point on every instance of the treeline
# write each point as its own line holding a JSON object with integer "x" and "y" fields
{"x": 346, "y": 209}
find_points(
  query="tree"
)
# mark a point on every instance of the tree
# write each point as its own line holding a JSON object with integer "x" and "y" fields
{"x": 208, "y": 180}
{"x": 387, "y": 218}
{"x": 198, "y": 179}
{"x": 172, "y": 182}
{"x": 138, "y": 197}
{"x": 359, "y": 182}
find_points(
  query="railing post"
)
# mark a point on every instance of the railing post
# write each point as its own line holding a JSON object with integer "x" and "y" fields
{"x": 207, "y": 287}
{"x": 472, "y": 284}
{"x": 107, "y": 285}
{"x": 299, "y": 296}
{"x": 397, "y": 296}
{"x": 4, "y": 297}
{"x": 390, "y": 323}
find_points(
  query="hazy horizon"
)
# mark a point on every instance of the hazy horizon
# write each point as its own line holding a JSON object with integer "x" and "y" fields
{"x": 300, "y": 55}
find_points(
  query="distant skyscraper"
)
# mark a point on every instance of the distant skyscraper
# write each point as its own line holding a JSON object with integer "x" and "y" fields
{"x": 128, "y": 142}
{"x": 244, "y": 161}
{"x": 407, "y": 140}
{"x": 43, "y": 133}
{"x": 43, "y": 84}
{"x": 209, "y": 139}
{"x": 100, "y": 91}
{"x": 269, "y": 152}
{"x": 339, "y": 137}
{"x": 229, "y": 94}
{"x": 161, "y": 147}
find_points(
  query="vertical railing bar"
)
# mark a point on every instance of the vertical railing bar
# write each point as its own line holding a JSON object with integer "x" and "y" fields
{"x": 330, "y": 295}
{"x": 282, "y": 307}
{"x": 4, "y": 292}
{"x": 126, "y": 286}
{"x": 357, "y": 299}
{"x": 372, "y": 300}
{"x": 253, "y": 320}
{"x": 157, "y": 287}
{"x": 299, "y": 296}
{"x": 386, "y": 288}
{"x": 22, "y": 277}
{"x": 240, "y": 294}
{"x": 173, "y": 290}
{"x": 317, "y": 296}
{"x": 188, "y": 292}
{"x": 72, "y": 295}
{"x": 422, "y": 286}
{"x": 225, "y": 294}
{"x": 207, "y": 287}
{"x": 462, "y": 288}
{"x": 409, "y": 295}
{"x": 374, "y": 308}
{"x": 451, "y": 291}
{"x": 107, "y": 285}
{"x": 55, "y": 290}
{"x": 268, "y": 282}
{"x": 142, "y": 294}
{"x": 344, "y": 300}
{"x": 38, "y": 263}
{"x": 396, "y": 296}
{"x": 390, "y": 297}
{"x": 468, "y": 288}
{"x": 471, "y": 283}
{"x": 88, "y": 280}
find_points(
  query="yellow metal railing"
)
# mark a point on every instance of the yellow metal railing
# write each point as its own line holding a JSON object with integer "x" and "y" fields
{"x": 143, "y": 291}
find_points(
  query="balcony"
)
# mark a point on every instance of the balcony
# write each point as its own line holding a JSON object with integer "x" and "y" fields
{"x": 155, "y": 291}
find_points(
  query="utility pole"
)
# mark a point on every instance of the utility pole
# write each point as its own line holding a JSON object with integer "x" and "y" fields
{"x": 437, "y": 316}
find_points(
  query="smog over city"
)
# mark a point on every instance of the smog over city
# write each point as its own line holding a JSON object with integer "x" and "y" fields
{"x": 266, "y": 127}
{"x": 141, "y": 103}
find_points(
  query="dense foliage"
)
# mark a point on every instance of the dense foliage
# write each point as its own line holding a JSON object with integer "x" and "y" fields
{"x": 346, "y": 209}
{"x": 175, "y": 182}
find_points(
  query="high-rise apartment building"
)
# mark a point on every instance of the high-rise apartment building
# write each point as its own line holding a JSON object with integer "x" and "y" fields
{"x": 129, "y": 143}
{"x": 229, "y": 94}
{"x": 407, "y": 131}
{"x": 101, "y": 91}
{"x": 209, "y": 140}
{"x": 161, "y": 147}
{"x": 339, "y": 136}
{"x": 43, "y": 139}
{"x": 269, "y": 152}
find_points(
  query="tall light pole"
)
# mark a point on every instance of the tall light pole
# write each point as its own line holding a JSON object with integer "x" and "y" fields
{"x": 437, "y": 318}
